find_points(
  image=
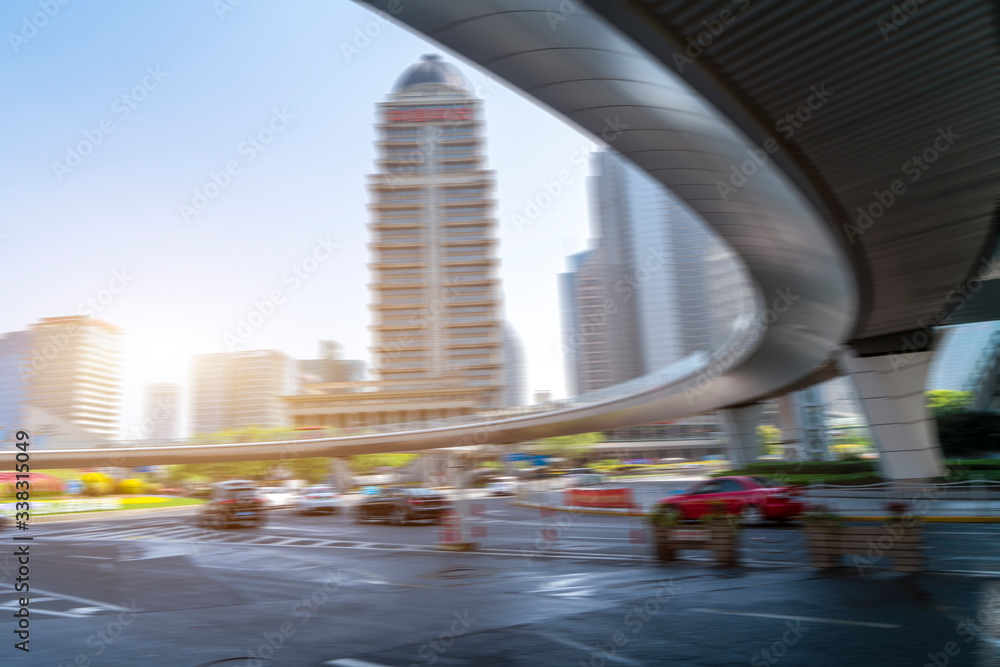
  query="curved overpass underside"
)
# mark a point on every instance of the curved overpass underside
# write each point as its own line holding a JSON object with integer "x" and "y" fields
{"x": 711, "y": 121}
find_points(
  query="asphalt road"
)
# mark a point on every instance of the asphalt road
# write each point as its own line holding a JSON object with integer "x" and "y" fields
{"x": 563, "y": 589}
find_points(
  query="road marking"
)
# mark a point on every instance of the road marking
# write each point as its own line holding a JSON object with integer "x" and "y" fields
{"x": 73, "y": 598}
{"x": 813, "y": 619}
{"x": 351, "y": 662}
{"x": 584, "y": 647}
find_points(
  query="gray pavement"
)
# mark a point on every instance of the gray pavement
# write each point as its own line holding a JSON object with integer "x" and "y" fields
{"x": 545, "y": 590}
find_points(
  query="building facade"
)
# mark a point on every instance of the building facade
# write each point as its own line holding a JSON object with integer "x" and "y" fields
{"x": 658, "y": 285}
{"x": 331, "y": 367}
{"x": 233, "y": 390}
{"x": 435, "y": 293}
{"x": 161, "y": 413}
{"x": 62, "y": 381}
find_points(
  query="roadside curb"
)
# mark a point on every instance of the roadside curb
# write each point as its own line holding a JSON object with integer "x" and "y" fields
{"x": 629, "y": 513}
{"x": 108, "y": 514}
{"x": 577, "y": 510}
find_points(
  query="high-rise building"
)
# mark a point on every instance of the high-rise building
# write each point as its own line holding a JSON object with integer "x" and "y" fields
{"x": 232, "y": 390}
{"x": 658, "y": 285}
{"x": 331, "y": 367}
{"x": 79, "y": 376}
{"x": 161, "y": 413}
{"x": 436, "y": 301}
{"x": 515, "y": 369}
{"x": 61, "y": 380}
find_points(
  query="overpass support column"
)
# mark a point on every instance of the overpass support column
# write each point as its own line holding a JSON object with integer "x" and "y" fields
{"x": 741, "y": 427}
{"x": 342, "y": 473}
{"x": 791, "y": 427}
{"x": 890, "y": 389}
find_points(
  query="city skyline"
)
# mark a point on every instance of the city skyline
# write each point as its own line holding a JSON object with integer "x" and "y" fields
{"x": 115, "y": 234}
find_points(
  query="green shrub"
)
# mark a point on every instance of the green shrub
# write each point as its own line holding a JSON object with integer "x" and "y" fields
{"x": 97, "y": 484}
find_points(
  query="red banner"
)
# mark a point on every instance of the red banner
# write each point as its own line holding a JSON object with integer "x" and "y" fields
{"x": 423, "y": 115}
{"x": 598, "y": 497}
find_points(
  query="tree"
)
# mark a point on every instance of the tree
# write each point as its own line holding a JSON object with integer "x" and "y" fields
{"x": 944, "y": 402}
{"x": 575, "y": 448}
{"x": 769, "y": 439}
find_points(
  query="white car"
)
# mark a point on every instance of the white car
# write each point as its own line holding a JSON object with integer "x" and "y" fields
{"x": 320, "y": 498}
{"x": 277, "y": 497}
{"x": 503, "y": 486}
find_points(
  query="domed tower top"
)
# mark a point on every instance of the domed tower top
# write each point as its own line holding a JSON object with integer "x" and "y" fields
{"x": 431, "y": 70}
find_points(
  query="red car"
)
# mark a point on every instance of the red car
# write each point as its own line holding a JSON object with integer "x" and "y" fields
{"x": 755, "y": 499}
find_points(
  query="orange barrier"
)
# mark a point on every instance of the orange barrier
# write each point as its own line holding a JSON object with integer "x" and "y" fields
{"x": 598, "y": 497}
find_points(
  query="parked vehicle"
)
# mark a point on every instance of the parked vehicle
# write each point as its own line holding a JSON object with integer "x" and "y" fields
{"x": 231, "y": 503}
{"x": 319, "y": 498}
{"x": 400, "y": 505}
{"x": 277, "y": 497}
{"x": 754, "y": 499}
{"x": 502, "y": 486}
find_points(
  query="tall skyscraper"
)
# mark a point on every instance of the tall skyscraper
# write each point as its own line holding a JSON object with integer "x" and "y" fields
{"x": 161, "y": 413}
{"x": 658, "y": 285}
{"x": 81, "y": 380}
{"x": 436, "y": 302}
{"x": 61, "y": 380}
{"x": 331, "y": 367}
{"x": 515, "y": 369}
{"x": 231, "y": 390}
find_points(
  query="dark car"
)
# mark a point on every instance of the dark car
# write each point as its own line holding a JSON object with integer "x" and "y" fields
{"x": 754, "y": 499}
{"x": 400, "y": 505}
{"x": 232, "y": 503}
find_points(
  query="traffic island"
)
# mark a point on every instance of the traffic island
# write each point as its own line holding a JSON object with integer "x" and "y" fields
{"x": 900, "y": 540}
{"x": 718, "y": 535}
{"x": 457, "y": 546}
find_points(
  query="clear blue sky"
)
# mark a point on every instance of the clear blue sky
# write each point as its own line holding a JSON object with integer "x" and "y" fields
{"x": 195, "y": 86}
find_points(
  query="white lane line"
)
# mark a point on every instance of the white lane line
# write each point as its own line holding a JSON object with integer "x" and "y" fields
{"x": 351, "y": 662}
{"x": 813, "y": 619}
{"x": 73, "y": 598}
{"x": 583, "y": 647}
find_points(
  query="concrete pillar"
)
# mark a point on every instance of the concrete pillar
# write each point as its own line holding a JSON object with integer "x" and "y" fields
{"x": 890, "y": 389}
{"x": 342, "y": 473}
{"x": 741, "y": 428}
{"x": 791, "y": 427}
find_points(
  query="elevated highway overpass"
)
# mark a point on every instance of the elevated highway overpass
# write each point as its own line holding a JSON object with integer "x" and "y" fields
{"x": 852, "y": 166}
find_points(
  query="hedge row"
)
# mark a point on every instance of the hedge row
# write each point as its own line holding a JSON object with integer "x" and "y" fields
{"x": 806, "y": 468}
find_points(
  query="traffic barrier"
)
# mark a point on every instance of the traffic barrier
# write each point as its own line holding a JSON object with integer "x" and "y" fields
{"x": 598, "y": 498}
